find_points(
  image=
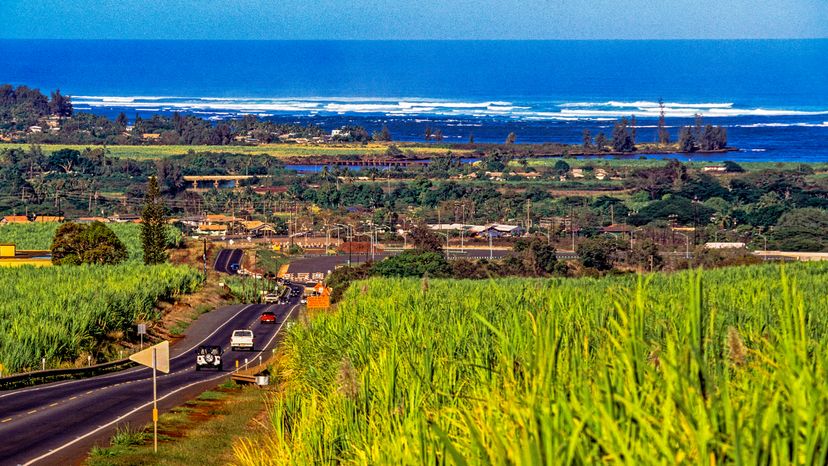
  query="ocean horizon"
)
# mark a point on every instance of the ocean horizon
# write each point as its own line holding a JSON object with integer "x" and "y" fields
{"x": 770, "y": 94}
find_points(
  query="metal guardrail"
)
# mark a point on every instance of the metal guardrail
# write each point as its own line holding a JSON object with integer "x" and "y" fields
{"x": 53, "y": 375}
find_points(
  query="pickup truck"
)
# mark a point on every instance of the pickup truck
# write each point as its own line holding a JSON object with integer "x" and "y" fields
{"x": 241, "y": 339}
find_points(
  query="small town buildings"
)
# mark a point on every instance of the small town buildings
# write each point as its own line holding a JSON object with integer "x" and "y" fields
{"x": 125, "y": 218}
{"x": 258, "y": 229}
{"x": 723, "y": 245}
{"x": 91, "y": 220}
{"x": 15, "y": 219}
{"x": 494, "y": 230}
{"x": 618, "y": 229}
{"x": 714, "y": 169}
{"x": 49, "y": 219}
{"x": 212, "y": 230}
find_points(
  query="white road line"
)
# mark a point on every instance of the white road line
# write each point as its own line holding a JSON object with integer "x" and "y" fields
{"x": 127, "y": 371}
{"x": 145, "y": 405}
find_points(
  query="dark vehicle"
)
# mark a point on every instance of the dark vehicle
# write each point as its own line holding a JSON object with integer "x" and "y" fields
{"x": 268, "y": 318}
{"x": 234, "y": 267}
{"x": 208, "y": 357}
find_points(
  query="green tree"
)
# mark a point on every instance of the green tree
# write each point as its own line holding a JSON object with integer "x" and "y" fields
{"x": 622, "y": 139}
{"x": 385, "y": 134}
{"x": 646, "y": 256}
{"x": 732, "y": 167}
{"x": 153, "y": 225}
{"x": 586, "y": 137}
{"x": 802, "y": 230}
{"x": 414, "y": 264}
{"x": 687, "y": 143}
{"x": 538, "y": 255}
{"x": 425, "y": 239}
{"x": 601, "y": 141}
{"x": 95, "y": 243}
{"x": 561, "y": 167}
{"x": 121, "y": 120}
{"x": 663, "y": 133}
{"x": 60, "y": 105}
{"x": 597, "y": 253}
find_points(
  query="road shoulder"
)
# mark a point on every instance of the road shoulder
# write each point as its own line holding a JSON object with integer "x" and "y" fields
{"x": 201, "y": 431}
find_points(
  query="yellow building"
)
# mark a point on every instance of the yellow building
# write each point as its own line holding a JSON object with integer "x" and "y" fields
{"x": 11, "y": 257}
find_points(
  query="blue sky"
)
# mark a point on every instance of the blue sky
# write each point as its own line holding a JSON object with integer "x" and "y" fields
{"x": 417, "y": 19}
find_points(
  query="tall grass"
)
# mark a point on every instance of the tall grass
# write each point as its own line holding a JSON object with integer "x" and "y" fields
{"x": 58, "y": 313}
{"x": 706, "y": 367}
{"x": 39, "y": 236}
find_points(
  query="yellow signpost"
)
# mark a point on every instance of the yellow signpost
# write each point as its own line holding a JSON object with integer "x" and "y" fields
{"x": 157, "y": 357}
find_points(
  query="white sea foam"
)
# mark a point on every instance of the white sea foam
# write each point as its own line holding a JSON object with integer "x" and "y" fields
{"x": 424, "y": 107}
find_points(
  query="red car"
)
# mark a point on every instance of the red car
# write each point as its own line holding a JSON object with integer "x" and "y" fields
{"x": 268, "y": 318}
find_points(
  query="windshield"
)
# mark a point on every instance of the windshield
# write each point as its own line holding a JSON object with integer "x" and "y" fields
{"x": 243, "y": 333}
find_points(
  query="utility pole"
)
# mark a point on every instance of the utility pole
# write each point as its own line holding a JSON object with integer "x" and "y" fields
{"x": 204, "y": 256}
{"x": 528, "y": 210}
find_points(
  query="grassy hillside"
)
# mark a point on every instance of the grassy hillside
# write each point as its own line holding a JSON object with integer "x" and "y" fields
{"x": 726, "y": 365}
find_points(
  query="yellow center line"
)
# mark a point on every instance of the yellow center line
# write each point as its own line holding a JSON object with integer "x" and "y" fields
{"x": 53, "y": 404}
{"x": 31, "y": 412}
{"x": 90, "y": 391}
{"x": 73, "y": 397}
{"x": 6, "y": 420}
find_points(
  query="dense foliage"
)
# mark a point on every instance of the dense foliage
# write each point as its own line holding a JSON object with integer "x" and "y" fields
{"x": 722, "y": 366}
{"x": 93, "y": 243}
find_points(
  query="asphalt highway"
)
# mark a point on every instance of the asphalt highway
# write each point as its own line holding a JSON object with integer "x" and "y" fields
{"x": 226, "y": 258}
{"x": 59, "y": 423}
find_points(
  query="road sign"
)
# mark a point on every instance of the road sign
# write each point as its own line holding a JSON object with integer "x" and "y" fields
{"x": 162, "y": 357}
{"x": 142, "y": 329}
{"x": 319, "y": 302}
{"x": 157, "y": 357}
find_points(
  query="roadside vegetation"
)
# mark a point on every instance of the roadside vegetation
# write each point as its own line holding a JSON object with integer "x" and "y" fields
{"x": 719, "y": 366}
{"x": 65, "y": 313}
{"x": 201, "y": 431}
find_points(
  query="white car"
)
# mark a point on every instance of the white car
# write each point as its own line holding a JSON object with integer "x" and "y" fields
{"x": 242, "y": 339}
{"x": 271, "y": 298}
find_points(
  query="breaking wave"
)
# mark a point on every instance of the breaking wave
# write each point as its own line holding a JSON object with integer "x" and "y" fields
{"x": 221, "y": 107}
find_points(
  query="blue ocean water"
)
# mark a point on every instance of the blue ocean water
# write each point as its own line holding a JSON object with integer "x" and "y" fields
{"x": 772, "y": 95}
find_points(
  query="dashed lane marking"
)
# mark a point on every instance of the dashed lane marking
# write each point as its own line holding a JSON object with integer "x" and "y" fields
{"x": 143, "y": 406}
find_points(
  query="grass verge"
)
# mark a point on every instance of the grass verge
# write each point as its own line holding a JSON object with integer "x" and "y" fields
{"x": 200, "y": 432}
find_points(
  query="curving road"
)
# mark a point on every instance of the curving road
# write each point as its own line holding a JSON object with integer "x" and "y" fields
{"x": 226, "y": 258}
{"x": 58, "y": 423}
